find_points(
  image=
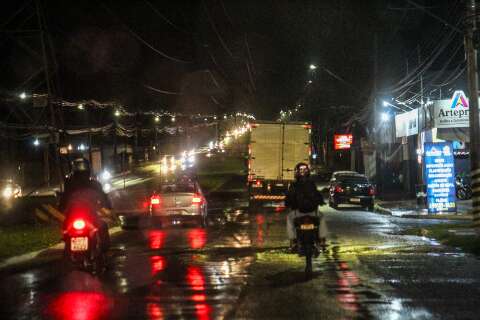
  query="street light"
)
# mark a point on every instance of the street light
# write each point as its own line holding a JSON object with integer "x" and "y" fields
{"x": 80, "y": 107}
{"x": 23, "y": 96}
{"x": 157, "y": 118}
{"x": 173, "y": 119}
{"x": 312, "y": 67}
{"x": 384, "y": 117}
{"x": 36, "y": 142}
{"x": 117, "y": 113}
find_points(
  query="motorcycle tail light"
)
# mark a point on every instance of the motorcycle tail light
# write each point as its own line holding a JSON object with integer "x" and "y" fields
{"x": 155, "y": 200}
{"x": 79, "y": 224}
{"x": 338, "y": 189}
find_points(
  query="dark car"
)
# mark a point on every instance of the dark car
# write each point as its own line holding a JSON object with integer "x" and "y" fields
{"x": 351, "y": 188}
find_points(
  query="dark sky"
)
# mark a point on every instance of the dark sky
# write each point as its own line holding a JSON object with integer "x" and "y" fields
{"x": 217, "y": 56}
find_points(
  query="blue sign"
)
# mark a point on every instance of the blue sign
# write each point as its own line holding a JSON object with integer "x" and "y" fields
{"x": 440, "y": 176}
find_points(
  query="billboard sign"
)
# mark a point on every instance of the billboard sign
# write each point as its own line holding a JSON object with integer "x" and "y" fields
{"x": 451, "y": 113}
{"x": 440, "y": 177}
{"x": 342, "y": 141}
{"x": 406, "y": 124}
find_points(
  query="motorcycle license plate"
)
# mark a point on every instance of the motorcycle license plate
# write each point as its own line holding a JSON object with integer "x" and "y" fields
{"x": 79, "y": 244}
{"x": 307, "y": 227}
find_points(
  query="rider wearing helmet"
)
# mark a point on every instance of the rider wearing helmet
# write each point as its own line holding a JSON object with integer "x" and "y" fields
{"x": 302, "y": 185}
{"x": 83, "y": 191}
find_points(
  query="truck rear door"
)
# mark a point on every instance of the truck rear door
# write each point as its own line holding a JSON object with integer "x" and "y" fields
{"x": 296, "y": 147}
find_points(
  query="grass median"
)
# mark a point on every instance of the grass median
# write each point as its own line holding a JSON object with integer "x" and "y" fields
{"x": 451, "y": 234}
{"x": 17, "y": 240}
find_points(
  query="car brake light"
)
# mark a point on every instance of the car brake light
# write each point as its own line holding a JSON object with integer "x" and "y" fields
{"x": 338, "y": 189}
{"x": 155, "y": 200}
{"x": 79, "y": 224}
{"x": 196, "y": 199}
{"x": 371, "y": 191}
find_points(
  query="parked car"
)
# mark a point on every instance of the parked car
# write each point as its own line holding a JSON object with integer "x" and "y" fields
{"x": 178, "y": 203}
{"x": 351, "y": 188}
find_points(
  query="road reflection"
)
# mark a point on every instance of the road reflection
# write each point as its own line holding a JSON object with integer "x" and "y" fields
{"x": 197, "y": 238}
{"x": 156, "y": 239}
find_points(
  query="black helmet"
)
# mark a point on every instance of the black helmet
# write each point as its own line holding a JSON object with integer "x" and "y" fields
{"x": 81, "y": 165}
{"x": 302, "y": 170}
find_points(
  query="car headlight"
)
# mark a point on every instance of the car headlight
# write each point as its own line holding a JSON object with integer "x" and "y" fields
{"x": 7, "y": 192}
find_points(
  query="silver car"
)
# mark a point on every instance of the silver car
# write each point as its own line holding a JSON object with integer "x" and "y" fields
{"x": 176, "y": 203}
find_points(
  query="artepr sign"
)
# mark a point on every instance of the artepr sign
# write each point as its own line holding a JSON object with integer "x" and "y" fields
{"x": 342, "y": 141}
{"x": 440, "y": 177}
{"x": 452, "y": 113}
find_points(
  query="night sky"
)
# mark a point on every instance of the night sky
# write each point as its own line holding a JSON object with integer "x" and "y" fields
{"x": 217, "y": 56}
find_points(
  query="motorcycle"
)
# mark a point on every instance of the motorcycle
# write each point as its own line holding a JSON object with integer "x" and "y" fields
{"x": 307, "y": 236}
{"x": 463, "y": 189}
{"x": 83, "y": 244}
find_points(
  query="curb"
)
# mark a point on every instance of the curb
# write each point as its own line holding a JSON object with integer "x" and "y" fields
{"x": 32, "y": 255}
{"x": 465, "y": 217}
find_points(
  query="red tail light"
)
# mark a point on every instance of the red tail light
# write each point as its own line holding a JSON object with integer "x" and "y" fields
{"x": 79, "y": 224}
{"x": 371, "y": 191}
{"x": 258, "y": 183}
{"x": 155, "y": 200}
{"x": 338, "y": 189}
{"x": 196, "y": 199}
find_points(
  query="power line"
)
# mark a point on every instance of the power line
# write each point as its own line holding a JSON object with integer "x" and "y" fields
{"x": 139, "y": 38}
{"x": 165, "y": 18}
{"x": 224, "y": 45}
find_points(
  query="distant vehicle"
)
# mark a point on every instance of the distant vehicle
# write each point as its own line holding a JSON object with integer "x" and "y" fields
{"x": 274, "y": 150}
{"x": 177, "y": 203}
{"x": 351, "y": 188}
{"x": 10, "y": 190}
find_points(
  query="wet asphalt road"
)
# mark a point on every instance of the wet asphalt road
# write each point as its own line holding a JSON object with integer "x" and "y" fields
{"x": 199, "y": 273}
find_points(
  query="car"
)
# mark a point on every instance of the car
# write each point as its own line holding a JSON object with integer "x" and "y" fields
{"x": 177, "y": 203}
{"x": 339, "y": 173}
{"x": 351, "y": 188}
{"x": 10, "y": 190}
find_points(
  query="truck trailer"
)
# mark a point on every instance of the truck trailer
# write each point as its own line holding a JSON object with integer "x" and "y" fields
{"x": 274, "y": 150}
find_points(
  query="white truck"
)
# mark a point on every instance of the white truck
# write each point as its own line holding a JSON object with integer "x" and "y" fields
{"x": 274, "y": 150}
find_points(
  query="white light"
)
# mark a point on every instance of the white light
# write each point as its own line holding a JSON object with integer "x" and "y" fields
{"x": 106, "y": 175}
{"x": 69, "y": 147}
{"x": 309, "y": 81}
{"x": 313, "y": 67}
{"x": 224, "y": 116}
{"x": 385, "y": 103}
{"x": 80, "y": 107}
{"x": 36, "y": 142}
{"x": 117, "y": 113}
{"x": 23, "y": 96}
{"x": 385, "y": 117}
{"x": 210, "y": 145}
{"x": 154, "y": 148}
{"x": 107, "y": 187}
{"x": 7, "y": 192}
{"x": 314, "y": 156}
{"x": 157, "y": 118}
{"x": 82, "y": 147}
{"x": 214, "y": 117}
{"x": 173, "y": 119}
{"x": 205, "y": 119}
{"x": 419, "y": 151}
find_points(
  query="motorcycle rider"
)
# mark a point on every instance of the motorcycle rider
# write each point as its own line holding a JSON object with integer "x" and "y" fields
{"x": 302, "y": 184}
{"x": 84, "y": 192}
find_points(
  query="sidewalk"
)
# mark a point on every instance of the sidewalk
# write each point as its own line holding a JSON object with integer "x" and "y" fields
{"x": 410, "y": 209}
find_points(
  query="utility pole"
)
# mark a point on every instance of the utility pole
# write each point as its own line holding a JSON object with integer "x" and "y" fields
{"x": 53, "y": 136}
{"x": 376, "y": 117}
{"x": 471, "y": 53}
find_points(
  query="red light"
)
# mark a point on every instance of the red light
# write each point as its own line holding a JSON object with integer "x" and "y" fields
{"x": 155, "y": 200}
{"x": 195, "y": 278}
{"x": 80, "y": 306}
{"x": 258, "y": 183}
{"x": 196, "y": 199}
{"x": 79, "y": 224}
{"x": 154, "y": 311}
{"x": 156, "y": 239}
{"x": 371, "y": 191}
{"x": 157, "y": 264}
{"x": 197, "y": 238}
{"x": 338, "y": 189}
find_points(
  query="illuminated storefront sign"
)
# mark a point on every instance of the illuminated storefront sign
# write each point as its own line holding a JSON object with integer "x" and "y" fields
{"x": 342, "y": 141}
{"x": 440, "y": 177}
